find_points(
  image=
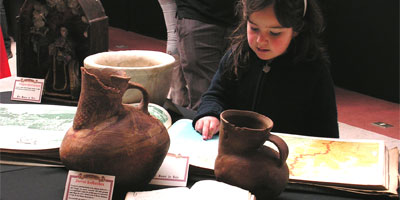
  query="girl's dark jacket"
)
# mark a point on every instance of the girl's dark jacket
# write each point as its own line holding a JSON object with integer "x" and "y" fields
{"x": 300, "y": 99}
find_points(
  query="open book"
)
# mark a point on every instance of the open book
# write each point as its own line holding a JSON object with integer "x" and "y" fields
{"x": 356, "y": 166}
{"x": 201, "y": 190}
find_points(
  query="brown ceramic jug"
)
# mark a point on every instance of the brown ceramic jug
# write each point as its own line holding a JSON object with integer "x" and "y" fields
{"x": 242, "y": 158}
{"x": 108, "y": 137}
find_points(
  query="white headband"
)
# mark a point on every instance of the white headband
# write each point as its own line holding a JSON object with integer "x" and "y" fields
{"x": 305, "y": 8}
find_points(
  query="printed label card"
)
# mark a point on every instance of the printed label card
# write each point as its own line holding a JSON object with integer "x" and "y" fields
{"x": 28, "y": 89}
{"x": 173, "y": 171}
{"x": 88, "y": 186}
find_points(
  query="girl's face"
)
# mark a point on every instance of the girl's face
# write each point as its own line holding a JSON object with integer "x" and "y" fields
{"x": 266, "y": 37}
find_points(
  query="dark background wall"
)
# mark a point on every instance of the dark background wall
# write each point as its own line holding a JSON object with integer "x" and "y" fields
{"x": 362, "y": 38}
{"x": 363, "y": 42}
{"x": 140, "y": 16}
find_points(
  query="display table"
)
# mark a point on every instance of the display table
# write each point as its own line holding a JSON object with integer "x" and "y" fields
{"x": 27, "y": 182}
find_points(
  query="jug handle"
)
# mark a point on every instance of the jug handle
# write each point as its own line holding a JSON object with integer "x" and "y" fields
{"x": 144, "y": 103}
{"x": 282, "y": 147}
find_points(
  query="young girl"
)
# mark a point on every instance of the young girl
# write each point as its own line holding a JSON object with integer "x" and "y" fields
{"x": 276, "y": 67}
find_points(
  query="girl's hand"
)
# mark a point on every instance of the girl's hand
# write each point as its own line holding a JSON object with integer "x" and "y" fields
{"x": 207, "y": 126}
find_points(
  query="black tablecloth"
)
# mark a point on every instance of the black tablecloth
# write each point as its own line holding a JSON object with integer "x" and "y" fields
{"x": 47, "y": 183}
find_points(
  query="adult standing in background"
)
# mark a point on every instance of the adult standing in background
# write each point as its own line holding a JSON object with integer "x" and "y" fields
{"x": 169, "y": 11}
{"x": 4, "y": 28}
{"x": 170, "y": 17}
{"x": 203, "y": 29}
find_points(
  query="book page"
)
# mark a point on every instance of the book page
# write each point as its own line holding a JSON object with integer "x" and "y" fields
{"x": 187, "y": 141}
{"x": 211, "y": 189}
{"x": 391, "y": 192}
{"x": 360, "y": 163}
{"x": 394, "y": 179}
{"x": 177, "y": 193}
{"x": 201, "y": 190}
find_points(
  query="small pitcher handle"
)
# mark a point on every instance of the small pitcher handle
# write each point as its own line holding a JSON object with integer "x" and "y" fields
{"x": 282, "y": 147}
{"x": 144, "y": 103}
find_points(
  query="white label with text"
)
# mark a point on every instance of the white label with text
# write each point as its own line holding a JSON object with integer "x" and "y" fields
{"x": 88, "y": 186}
{"x": 28, "y": 89}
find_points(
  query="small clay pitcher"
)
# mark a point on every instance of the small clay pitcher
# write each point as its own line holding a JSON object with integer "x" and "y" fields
{"x": 242, "y": 158}
{"x": 108, "y": 137}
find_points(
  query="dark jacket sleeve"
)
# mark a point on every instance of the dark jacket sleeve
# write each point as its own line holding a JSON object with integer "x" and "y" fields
{"x": 214, "y": 100}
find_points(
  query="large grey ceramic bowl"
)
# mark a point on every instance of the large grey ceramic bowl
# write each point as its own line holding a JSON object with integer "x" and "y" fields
{"x": 152, "y": 69}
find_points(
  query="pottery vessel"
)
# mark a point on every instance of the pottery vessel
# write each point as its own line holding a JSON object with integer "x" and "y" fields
{"x": 242, "y": 158}
{"x": 108, "y": 137}
{"x": 152, "y": 69}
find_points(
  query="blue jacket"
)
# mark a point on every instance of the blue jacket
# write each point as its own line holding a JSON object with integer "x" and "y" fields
{"x": 299, "y": 98}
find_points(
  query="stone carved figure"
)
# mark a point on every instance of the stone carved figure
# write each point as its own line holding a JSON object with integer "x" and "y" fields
{"x": 53, "y": 53}
{"x": 64, "y": 70}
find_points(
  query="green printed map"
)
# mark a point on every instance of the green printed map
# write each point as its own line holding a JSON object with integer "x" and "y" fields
{"x": 36, "y": 120}
{"x": 34, "y": 126}
{"x": 332, "y": 160}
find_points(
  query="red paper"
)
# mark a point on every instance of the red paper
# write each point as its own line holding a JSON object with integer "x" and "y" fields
{"x": 4, "y": 67}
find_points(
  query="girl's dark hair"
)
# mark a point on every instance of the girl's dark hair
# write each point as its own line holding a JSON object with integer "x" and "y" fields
{"x": 306, "y": 45}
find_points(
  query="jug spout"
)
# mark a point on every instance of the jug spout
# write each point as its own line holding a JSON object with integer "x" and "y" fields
{"x": 101, "y": 97}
